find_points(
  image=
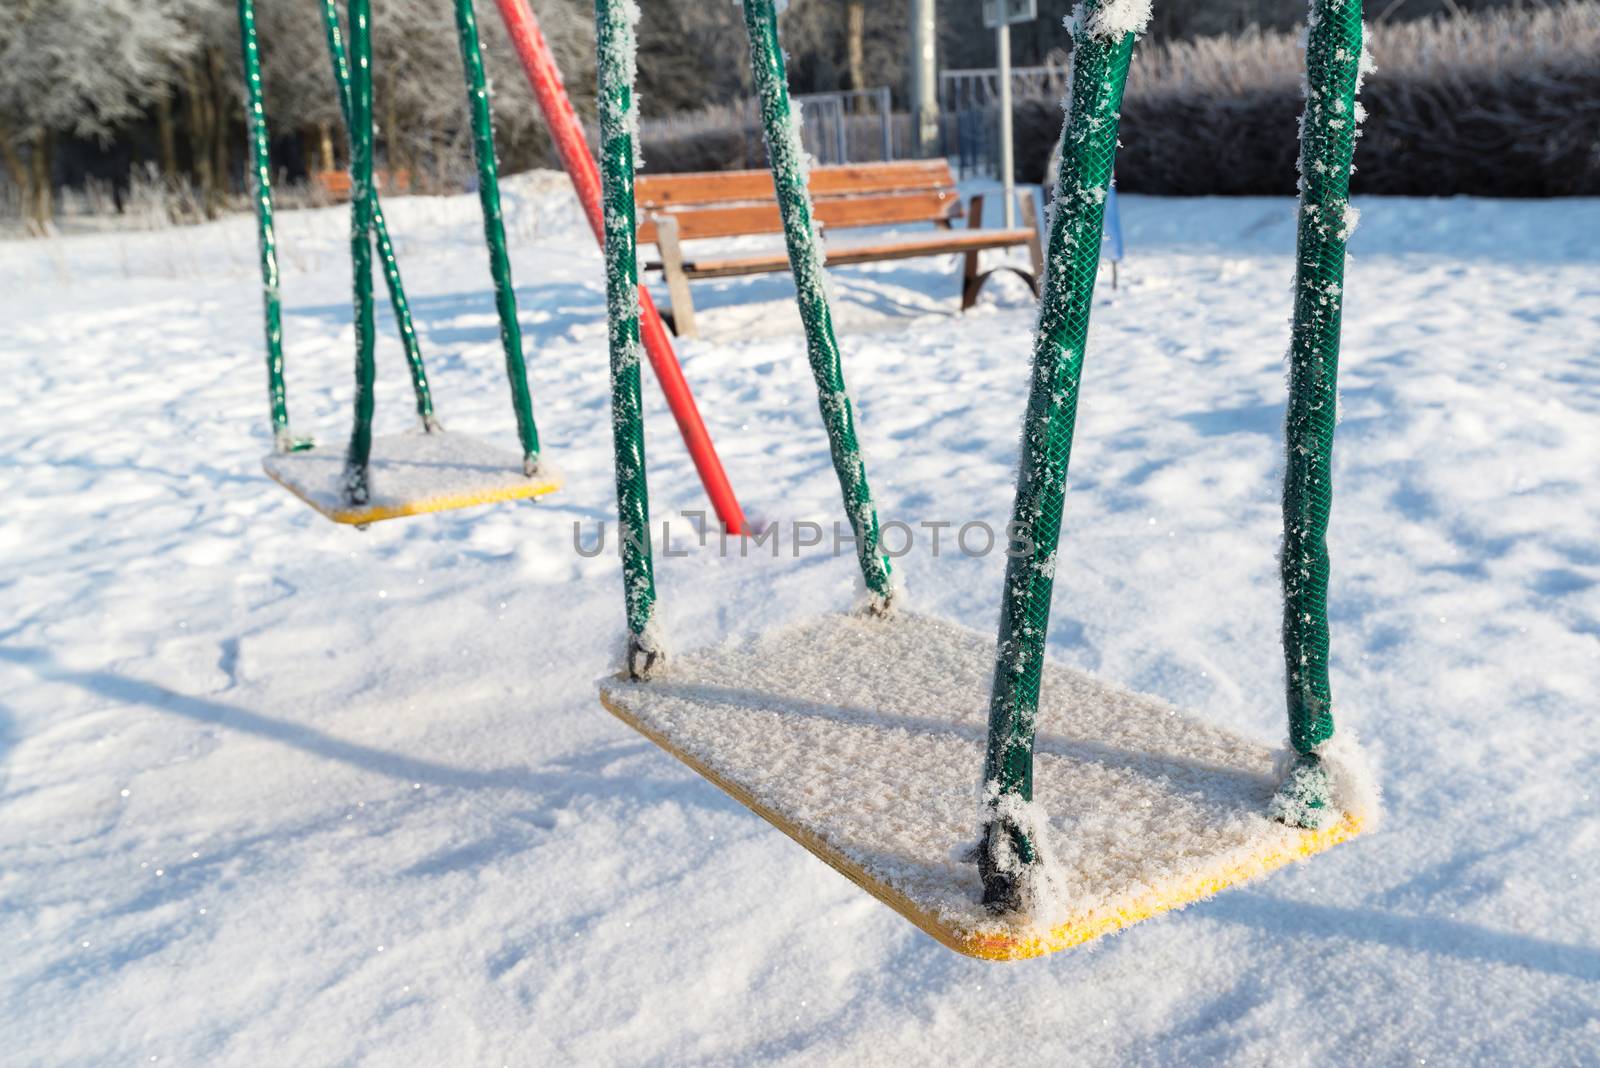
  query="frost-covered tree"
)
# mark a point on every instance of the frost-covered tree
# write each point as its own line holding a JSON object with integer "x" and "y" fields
{"x": 208, "y": 81}
{"x": 81, "y": 67}
{"x": 419, "y": 89}
{"x": 94, "y": 68}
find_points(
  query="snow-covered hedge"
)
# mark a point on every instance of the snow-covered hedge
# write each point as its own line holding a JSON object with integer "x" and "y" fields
{"x": 1498, "y": 104}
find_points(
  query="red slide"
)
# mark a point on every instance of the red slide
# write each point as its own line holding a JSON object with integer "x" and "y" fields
{"x": 545, "y": 78}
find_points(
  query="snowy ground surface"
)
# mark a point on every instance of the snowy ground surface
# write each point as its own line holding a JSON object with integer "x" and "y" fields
{"x": 274, "y": 791}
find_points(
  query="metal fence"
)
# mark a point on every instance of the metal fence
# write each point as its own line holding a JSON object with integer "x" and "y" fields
{"x": 854, "y": 126}
{"x": 850, "y": 126}
{"x": 969, "y": 112}
{"x": 860, "y": 126}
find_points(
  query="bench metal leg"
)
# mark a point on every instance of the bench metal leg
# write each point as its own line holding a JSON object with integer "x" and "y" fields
{"x": 677, "y": 280}
{"x": 971, "y": 272}
{"x": 1035, "y": 242}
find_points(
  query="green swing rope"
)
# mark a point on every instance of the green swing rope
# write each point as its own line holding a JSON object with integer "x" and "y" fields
{"x": 1088, "y": 150}
{"x": 391, "y": 267}
{"x": 361, "y": 202}
{"x": 494, "y": 230}
{"x": 261, "y": 164}
{"x": 614, "y": 33}
{"x": 1327, "y": 143}
{"x": 787, "y": 159}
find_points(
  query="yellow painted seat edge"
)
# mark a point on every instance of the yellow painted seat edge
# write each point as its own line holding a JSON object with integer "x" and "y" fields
{"x": 360, "y": 516}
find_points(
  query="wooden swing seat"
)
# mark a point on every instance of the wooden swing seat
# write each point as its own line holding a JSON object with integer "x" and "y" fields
{"x": 409, "y": 474}
{"x": 861, "y": 739}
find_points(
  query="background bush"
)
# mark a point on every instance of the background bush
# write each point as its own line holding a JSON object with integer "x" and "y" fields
{"x": 1497, "y": 104}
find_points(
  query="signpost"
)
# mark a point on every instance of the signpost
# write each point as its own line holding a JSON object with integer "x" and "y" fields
{"x": 924, "y": 80}
{"x": 998, "y": 15}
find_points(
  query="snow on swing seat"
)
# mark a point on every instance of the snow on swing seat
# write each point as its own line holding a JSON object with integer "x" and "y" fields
{"x": 409, "y": 474}
{"x": 863, "y": 740}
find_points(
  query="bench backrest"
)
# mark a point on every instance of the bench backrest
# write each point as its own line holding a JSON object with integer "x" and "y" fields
{"x": 735, "y": 203}
{"x": 336, "y": 184}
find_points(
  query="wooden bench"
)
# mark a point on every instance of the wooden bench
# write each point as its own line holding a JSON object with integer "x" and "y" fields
{"x": 675, "y": 208}
{"x": 336, "y": 184}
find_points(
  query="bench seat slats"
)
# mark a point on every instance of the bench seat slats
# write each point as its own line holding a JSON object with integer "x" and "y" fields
{"x": 932, "y": 245}
{"x": 680, "y": 208}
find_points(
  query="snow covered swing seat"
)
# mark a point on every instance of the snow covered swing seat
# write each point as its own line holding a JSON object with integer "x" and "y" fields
{"x": 410, "y": 474}
{"x": 860, "y": 738}
{"x": 376, "y": 478}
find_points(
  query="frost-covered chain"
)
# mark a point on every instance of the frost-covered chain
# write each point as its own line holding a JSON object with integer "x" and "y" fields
{"x": 1327, "y": 141}
{"x": 494, "y": 231}
{"x": 1103, "y": 43}
{"x": 261, "y": 166}
{"x": 789, "y": 173}
{"x": 360, "y": 450}
{"x": 391, "y": 266}
{"x": 619, "y": 119}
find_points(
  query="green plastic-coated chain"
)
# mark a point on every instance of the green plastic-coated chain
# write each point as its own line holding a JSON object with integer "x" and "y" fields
{"x": 788, "y": 161}
{"x": 391, "y": 266}
{"x": 494, "y": 231}
{"x": 360, "y": 451}
{"x": 1088, "y": 149}
{"x": 614, "y": 33}
{"x": 261, "y": 165}
{"x": 1327, "y": 143}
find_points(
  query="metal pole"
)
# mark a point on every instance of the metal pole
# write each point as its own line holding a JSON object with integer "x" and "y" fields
{"x": 884, "y": 120}
{"x": 1002, "y": 41}
{"x": 924, "y": 80}
{"x": 840, "y": 136}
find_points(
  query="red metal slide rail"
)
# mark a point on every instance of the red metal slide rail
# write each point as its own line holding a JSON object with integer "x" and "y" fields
{"x": 545, "y": 77}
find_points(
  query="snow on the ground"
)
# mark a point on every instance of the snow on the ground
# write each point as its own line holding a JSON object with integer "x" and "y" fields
{"x": 277, "y": 791}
